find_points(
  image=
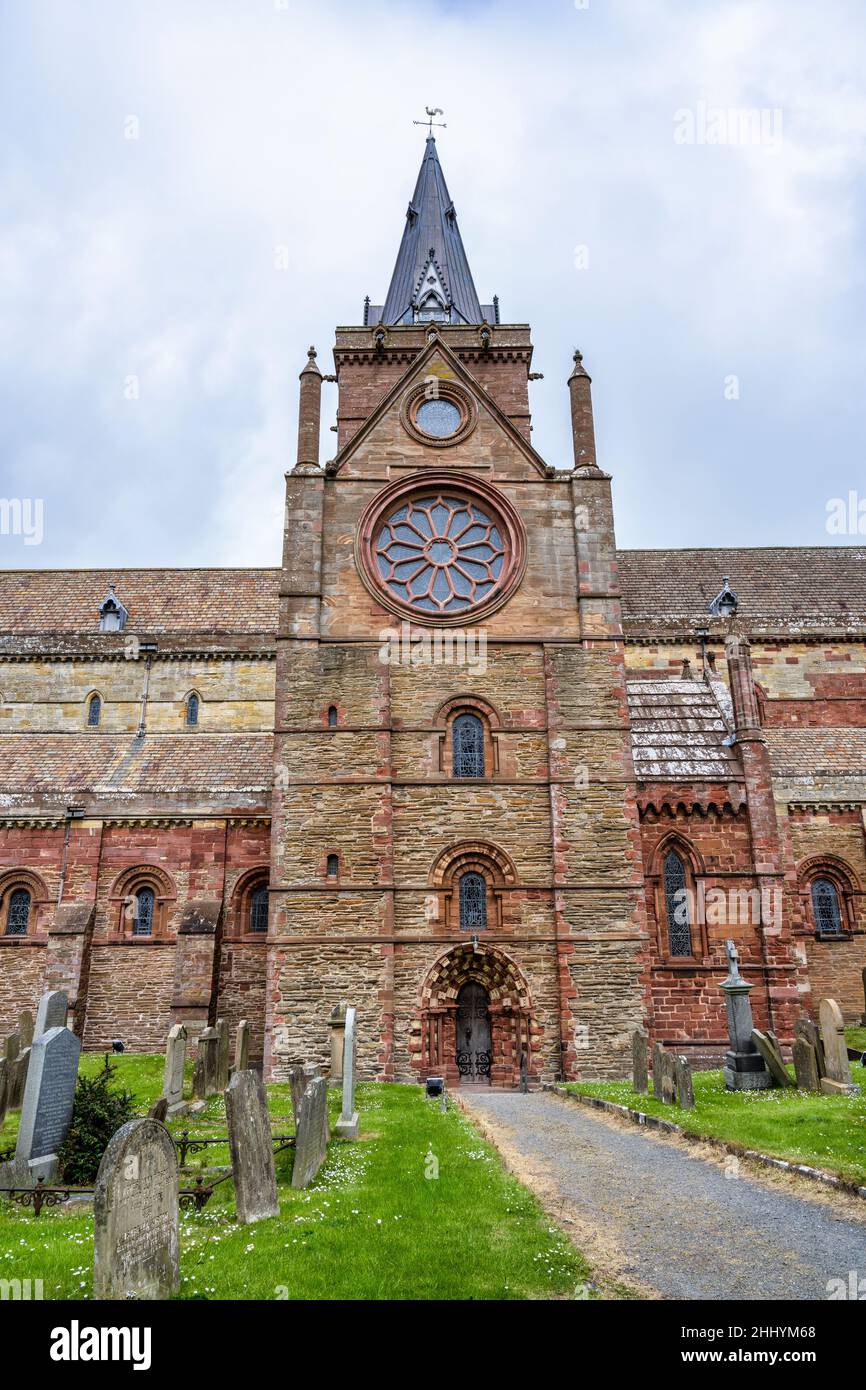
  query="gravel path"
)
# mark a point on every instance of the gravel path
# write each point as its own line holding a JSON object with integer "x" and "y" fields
{"x": 648, "y": 1212}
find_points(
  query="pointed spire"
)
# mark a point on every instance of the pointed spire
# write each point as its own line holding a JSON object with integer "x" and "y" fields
{"x": 431, "y": 279}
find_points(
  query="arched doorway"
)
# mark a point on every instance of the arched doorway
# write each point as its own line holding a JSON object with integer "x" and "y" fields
{"x": 474, "y": 1041}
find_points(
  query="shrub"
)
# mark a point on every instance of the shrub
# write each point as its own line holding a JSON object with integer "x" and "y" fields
{"x": 98, "y": 1112}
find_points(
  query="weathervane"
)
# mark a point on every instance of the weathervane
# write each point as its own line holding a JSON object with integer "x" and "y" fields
{"x": 431, "y": 112}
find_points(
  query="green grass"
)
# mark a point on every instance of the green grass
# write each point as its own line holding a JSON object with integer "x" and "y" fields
{"x": 856, "y": 1037}
{"x": 823, "y": 1131}
{"x": 372, "y": 1226}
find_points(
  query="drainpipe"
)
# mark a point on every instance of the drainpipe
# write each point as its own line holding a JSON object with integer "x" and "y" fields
{"x": 150, "y": 649}
{"x": 70, "y": 814}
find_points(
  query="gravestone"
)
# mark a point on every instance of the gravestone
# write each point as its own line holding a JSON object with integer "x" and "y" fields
{"x": 863, "y": 1016}
{"x": 769, "y": 1050}
{"x": 684, "y": 1084}
{"x": 199, "y": 1078}
{"x": 669, "y": 1078}
{"x": 175, "y": 1057}
{"x": 807, "y": 1030}
{"x": 297, "y": 1085}
{"x": 51, "y": 1011}
{"x": 251, "y": 1148}
{"x": 337, "y": 1026}
{"x": 745, "y": 1068}
{"x": 838, "y": 1078}
{"x": 208, "y": 1051}
{"x": 12, "y": 1046}
{"x": 159, "y": 1110}
{"x": 135, "y": 1215}
{"x": 242, "y": 1046}
{"x": 222, "y": 1076}
{"x": 18, "y": 1079}
{"x": 347, "y": 1125}
{"x": 639, "y": 1062}
{"x": 25, "y": 1027}
{"x": 47, "y": 1107}
{"x": 805, "y": 1065}
{"x": 311, "y": 1145}
{"x": 4, "y": 1078}
{"x": 658, "y": 1069}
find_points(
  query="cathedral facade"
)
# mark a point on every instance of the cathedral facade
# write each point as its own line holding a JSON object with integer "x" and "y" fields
{"x": 458, "y": 761}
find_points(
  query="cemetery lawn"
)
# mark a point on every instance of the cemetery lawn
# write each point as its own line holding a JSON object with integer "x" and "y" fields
{"x": 372, "y": 1225}
{"x": 822, "y": 1131}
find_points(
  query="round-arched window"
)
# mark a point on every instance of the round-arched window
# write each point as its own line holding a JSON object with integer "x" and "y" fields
{"x": 438, "y": 417}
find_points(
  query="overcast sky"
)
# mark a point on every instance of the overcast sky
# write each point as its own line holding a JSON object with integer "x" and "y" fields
{"x": 150, "y": 343}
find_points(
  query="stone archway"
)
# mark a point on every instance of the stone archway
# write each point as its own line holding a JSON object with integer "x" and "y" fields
{"x": 514, "y": 1032}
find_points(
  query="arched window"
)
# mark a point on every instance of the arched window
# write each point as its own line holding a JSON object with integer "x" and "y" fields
{"x": 18, "y": 916}
{"x": 333, "y": 866}
{"x": 473, "y": 902}
{"x": 192, "y": 704}
{"x": 332, "y": 717}
{"x": 145, "y": 902}
{"x": 467, "y": 738}
{"x": 677, "y": 904}
{"x": 259, "y": 908}
{"x": 94, "y": 711}
{"x": 825, "y": 906}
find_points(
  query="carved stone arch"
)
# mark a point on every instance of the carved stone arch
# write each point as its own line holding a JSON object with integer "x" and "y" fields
{"x": 40, "y": 905}
{"x": 693, "y": 865}
{"x": 123, "y": 898}
{"x": 675, "y": 840}
{"x": 241, "y": 905}
{"x": 491, "y": 724}
{"x": 514, "y": 1028}
{"x": 848, "y": 891}
{"x": 473, "y": 857}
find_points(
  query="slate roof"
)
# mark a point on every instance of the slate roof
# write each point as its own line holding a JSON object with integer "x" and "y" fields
{"x": 431, "y": 222}
{"x": 790, "y": 590}
{"x": 678, "y": 732}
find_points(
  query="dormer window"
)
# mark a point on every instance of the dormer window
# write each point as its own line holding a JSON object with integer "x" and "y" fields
{"x": 112, "y": 614}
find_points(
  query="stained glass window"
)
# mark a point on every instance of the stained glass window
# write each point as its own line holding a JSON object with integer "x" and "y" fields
{"x": 677, "y": 902}
{"x": 19, "y": 913}
{"x": 473, "y": 902}
{"x": 192, "y": 710}
{"x": 440, "y": 554}
{"x": 145, "y": 901}
{"x": 467, "y": 735}
{"x": 825, "y": 905}
{"x": 259, "y": 908}
{"x": 94, "y": 710}
{"x": 439, "y": 418}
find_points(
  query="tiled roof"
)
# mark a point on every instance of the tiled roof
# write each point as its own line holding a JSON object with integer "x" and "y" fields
{"x": 678, "y": 731}
{"x": 158, "y": 600}
{"x": 795, "y": 589}
{"x": 812, "y": 753}
{"x": 117, "y": 765}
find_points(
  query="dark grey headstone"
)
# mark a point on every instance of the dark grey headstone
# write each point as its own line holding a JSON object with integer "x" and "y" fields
{"x": 17, "y": 1082}
{"x": 251, "y": 1148}
{"x": 4, "y": 1088}
{"x": 12, "y": 1046}
{"x": 669, "y": 1078}
{"x": 658, "y": 1070}
{"x": 46, "y": 1111}
{"x": 199, "y": 1077}
{"x": 806, "y": 1065}
{"x": 684, "y": 1084}
{"x": 639, "y": 1062}
{"x": 297, "y": 1086}
{"x": 159, "y": 1110}
{"x": 311, "y": 1144}
{"x": 51, "y": 1012}
{"x": 863, "y": 1017}
{"x": 807, "y": 1030}
{"x": 772, "y": 1058}
{"x": 135, "y": 1215}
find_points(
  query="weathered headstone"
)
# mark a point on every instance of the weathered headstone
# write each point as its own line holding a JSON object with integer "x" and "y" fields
{"x": 658, "y": 1069}
{"x": 159, "y": 1110}
{"x": 242, "y": 1046}
{"x": 807, "y": 1030}
{"x": 347, "y": 1125}
{"x": 51, "y": 1011}
{"x": 18, "y": 1079}
{"x": 337, "y": 1026}
{"x": 222, "y": 1032}
{"x": 863, "y": 1016}
{"x": 639, "y": 1062}
{"x": 175, "y": 1057}
{"x": 838, "y": 1078}
{"x": 25, "y": 1027}
{"x": 46, "y": 1111}
{"x": 12, "y": 1046}
{"x": 297, "y": 1085}
{"x": 4, "y": 1078}
{"x": 208, "y": 1051}
{"x": 669, "y": 1078}
{"x": 310, "y": 1143}
{"x": 805, "y": 1065}
{"x": 745, "y": 1069}
{"x": 684, "y": 1085}
{"x": 199, "y": 1077}
{"x": 769, "y": 1050}
{"x": 135, "y": 1215}
{"x": 251, "y": 1148}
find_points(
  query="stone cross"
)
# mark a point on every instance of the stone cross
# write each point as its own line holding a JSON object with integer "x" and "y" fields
{"x": 51, "y": 1012}
{"x": 312, "y": 1124}
{"x": 838, "y": 1078}
{"x": 639, "y": 1062}
{"x": 242, "y": 1046}
{"x": 744, "y": 1068}
{"x": 175, "y": 1056}
{"x": 251, "y": 1148}
{"x": 46, "y": 1111}
{"x": 347, "y": 1125}
{"x": 135, "y": 1215}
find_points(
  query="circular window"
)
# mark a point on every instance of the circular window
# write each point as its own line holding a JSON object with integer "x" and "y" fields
{"x": 439, "y": 418}
{"x": 440, "y": 550}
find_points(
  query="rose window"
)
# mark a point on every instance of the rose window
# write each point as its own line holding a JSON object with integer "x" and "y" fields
{"x": 441, "y": 554}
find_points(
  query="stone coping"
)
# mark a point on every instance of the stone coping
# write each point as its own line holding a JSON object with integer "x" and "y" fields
{"x": 638, "y": 1117}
